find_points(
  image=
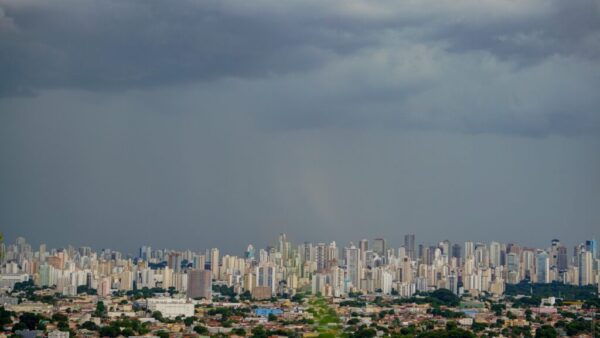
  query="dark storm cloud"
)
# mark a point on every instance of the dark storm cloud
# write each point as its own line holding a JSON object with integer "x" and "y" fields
{"x": 127, "y": 44}
{"x": 424, "y": 56}
{"x": 221, "y": 122}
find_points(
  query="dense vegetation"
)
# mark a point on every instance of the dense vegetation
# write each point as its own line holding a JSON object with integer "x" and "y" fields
{"x": 436, "y": 298}
{"x": 554, "y": 289}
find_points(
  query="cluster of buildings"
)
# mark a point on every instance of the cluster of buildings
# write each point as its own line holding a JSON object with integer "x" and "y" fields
{"x": 367, "y": 267}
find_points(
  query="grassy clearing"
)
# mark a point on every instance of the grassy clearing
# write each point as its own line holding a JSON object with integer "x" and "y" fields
{"x": 325, "y": 318}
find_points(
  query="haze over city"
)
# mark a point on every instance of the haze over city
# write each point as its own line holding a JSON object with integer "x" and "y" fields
{"x": 194, "y": 124}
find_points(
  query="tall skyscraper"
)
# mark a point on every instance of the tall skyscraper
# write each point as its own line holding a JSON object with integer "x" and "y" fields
{"x": 495, "y": 251}
{"x": 145, "y": 252}
{"x": 586, "y": 269}
{"x": 409, "y": 244}
{"x": 265, "y": 276}
{"x": 321, "y": 256}
{"x": 214, "y": 262}
{"x": 577, "y": 250}
{"x": 174, "y": 261}
{"x": 42, "y": 252}
{"x": 284, "y": 246}
{"x": 307, "y": 252}
{"x": 353, "y": 264}
{"x": 249, "y": 254}
{"x": 542, "y": 267}
{"x": 456, "y": 252}
{"x": 199, "y": 284}
{"x": 331, "y": 256}
{"x": 379, "y": 246}
{"x": 469, "y": 249}
{"x": 592, "y": 246}
{"x": 512, "y": 262}
{"x": 445, "y": 247}
{"x": 363, "y": 245}
{"x": 562, "y": 259}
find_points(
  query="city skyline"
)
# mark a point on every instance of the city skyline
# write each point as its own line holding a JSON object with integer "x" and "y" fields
{"x": 286, "y": 267}
{"x": 370, "y": 243}
{"x": 132, "y": 249}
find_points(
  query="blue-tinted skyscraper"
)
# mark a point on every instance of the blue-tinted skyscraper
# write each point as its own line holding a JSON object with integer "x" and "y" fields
{"x": 592, "y": 246}
{"x": 542, "y": 265}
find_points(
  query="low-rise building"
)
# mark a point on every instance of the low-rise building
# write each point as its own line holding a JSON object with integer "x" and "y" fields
{"x": 170, "y": 307}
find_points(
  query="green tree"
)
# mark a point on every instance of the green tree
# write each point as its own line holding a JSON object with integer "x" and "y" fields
{"x": 109, "y": 331}
{"x": 90, "y": 326}
{"x": 239, "y": 331}
{"x": 30, "y": 320}
{"x": 59, "y": 317}
{"x": 127, "y": 332}
{"x": 201, "y": 330}
{"x": 446, "y": 297}
{"x": 353, "y": 321}
{"x": 546, "y": 331}
{"x": 246, "y": 295}
{"x": 528, "y": 314}
{"x": 188, "y": 321}
{"x": 477, "y": 327}
{"x": 162, "y": 334}
{"x": 63, "y": 326}
{"x": 100, "y": 309}
{"x": 298, "y": 298}
{"x": 498, "y": 308}
{"x": 578, "y": 326}
{"x": 5, "y": 316}
{"x": 158, "y": 316}
{"x": 259, "y": 332}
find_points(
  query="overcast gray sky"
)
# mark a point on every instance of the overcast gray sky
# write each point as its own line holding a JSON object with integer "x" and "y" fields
{"x": 201, "y": 123}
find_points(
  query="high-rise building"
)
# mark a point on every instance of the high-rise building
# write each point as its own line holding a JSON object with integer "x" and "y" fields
{"x": 592, "y": 246}
{"x": 199, "y": 284}
{"x": 249, "y": 254}
{"x": 379, "y": 246}
{"x": 321, "y": 256}
{"x": 353, "y": 264}
{"x": 586, "y": 276}
{"x": 145, "y": 252}
{"x": 528, "y": 264}
{"x": 495, "y": 253}
{"x": 577, "y": 250}
{"x": 307, "y": 252}
{"x": 42, "y": 252}
{"x": 542, "y": 262}
{"x": 266, "y": 276}
{"x": 481, "y": 254}
{"x": 469, "y": 249}
{"x": 284, "y": 246}
{"x": 363, "y": 245}
{"x": 331, "y": 256}
{"x": 409, "y": 244}
{"x": 214, "y": 262}
{"x": 445, "y": 247}
{"x": 562, "y": 259}
{"x": 512, "y": 265}
{"x": 453, "y": 283}
{"x": 456, "y": 252}
{"x": 174, "y": 261}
